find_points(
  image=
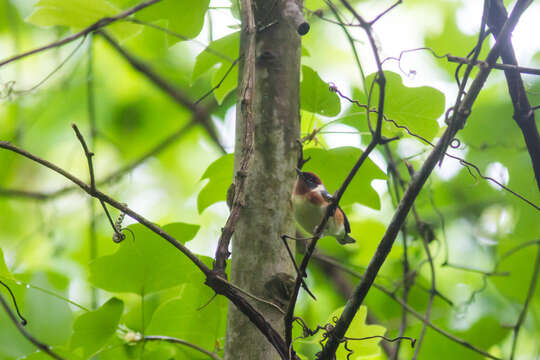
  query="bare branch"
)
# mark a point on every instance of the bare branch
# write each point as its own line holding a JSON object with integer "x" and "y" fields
{"x": 183, "y": 99}
{"x": 413, "y": 312}
{"x": 523, "y": 114}
{"x": 506, "y": 67}
{"x": 375, "y": 140}
{"x": 95, "y": 26}
{"x": 41, "y": 346}
{"x": 530, "y": 294}
{"x": 460, "y": 116}
{"x": 173, "y": 340}
{"x": 293, "y": 14}
{"x": 218, "y": 284}
{"x": 246, "y": 95}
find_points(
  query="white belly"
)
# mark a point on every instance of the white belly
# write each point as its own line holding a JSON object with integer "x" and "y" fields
{"x": 307, "y": 215}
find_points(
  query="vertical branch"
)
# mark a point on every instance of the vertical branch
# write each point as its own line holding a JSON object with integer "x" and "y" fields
{"x": 246, "y": 117}
{"x": 268, "y": 93}
{"x": 399, "y": 183}
{"x": 92, "y": 120}
{"x": 530, "y": 293}
{"x": 460, "y": 117}
{"x": 433, "y": 288}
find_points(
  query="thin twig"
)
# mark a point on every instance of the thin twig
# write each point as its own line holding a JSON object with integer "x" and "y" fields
{"x": 114, "y": 176}
{"x": 479, "y": 63}
{"x": 205, "y": 95}
{"x": 293, "y": 260}
{"x": 88, "y": 155}
{"x": 91, "y": 111}
{"x": 180, "y": 36}
{"x": 246, "y": 96}
{"x": 467, "y": 164}
{"x": 41, "y": 346}
{"x": 49, "y": 75}
{"x": 217, "y": 283}
{"x": 23, "y": 319}
{"x": 530, "y": 294}
{"x": 398, "y": 2}
{"x": 407, "y": 280}
{"x": 523, "y": 113}
{"x": 375, "y": 140}
{"x": 95, "y": 26}
{"x": 413, "y": 312}
{"x": 458, "y": 121}
{"x": 176, "y": 94}
{"x": 182, "y": 342}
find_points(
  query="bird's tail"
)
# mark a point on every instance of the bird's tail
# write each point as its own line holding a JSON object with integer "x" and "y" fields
{"x": 345, "y": 239}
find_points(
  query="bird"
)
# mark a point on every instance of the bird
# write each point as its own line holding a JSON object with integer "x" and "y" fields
{"x": 310, "y": 200}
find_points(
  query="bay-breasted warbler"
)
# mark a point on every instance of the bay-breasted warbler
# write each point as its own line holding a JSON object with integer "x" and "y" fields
{"x": 310, "y": 200}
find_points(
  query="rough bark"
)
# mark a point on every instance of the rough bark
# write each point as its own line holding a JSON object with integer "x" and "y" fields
{"x": 260, "y": 263}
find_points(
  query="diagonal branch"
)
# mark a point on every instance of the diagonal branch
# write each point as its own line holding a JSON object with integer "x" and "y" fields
{"x": 530, "y": 294}
{"x": 523, "y": 114}
{"x": 459, "y": 119}
{"x": 180, "y": 97}
{"x": 375, "y": 140}
{"x": 412, "y": 311}
{"x": 114, "y": 176}
{"x": 173, "y": 340}
{"x": 95, "y": 26}
{"x": 41, "y": 346}
{"x": 217, "y": 283}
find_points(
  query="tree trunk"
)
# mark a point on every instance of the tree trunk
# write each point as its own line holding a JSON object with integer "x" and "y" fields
{"x": 260, "y": 263}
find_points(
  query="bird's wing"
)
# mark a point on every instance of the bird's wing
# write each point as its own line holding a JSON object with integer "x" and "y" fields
{"x": 345, "y": 221}
{"x": 326, "y": 195}
{"x": 329, "y": 197}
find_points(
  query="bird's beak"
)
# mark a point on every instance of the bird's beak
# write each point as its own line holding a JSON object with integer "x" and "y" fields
{"x": 299, "y": 172}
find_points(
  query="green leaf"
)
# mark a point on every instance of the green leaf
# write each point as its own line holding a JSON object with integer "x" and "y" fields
{"x": 146, "y": 264}
{"x": 358, "y": 329}
{"x": 417, "y": 108}
{"x": 334, "y": 165}
{"x": 49, "y": 318}
{"x": 92, "y": 330}
{"x": 60, "y": 351}
{"x": 183, "y": 17}
{"x": 315, "y": 95}
{"x": 451, "y": 40}
{"x": 219, "y": 174}
{"x": 189, "y": 318}
{"x": 4, "y": 271}
{"x": 221, "y": 53}
{"x": 78, "y": 14}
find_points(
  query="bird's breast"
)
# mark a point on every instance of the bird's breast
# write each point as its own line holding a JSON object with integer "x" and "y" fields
{"x": 307, "y": 214}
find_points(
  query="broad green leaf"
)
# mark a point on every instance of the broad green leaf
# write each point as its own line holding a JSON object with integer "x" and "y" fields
{"x": 358, "y": 329}
{"x": 60, "y": 351}
{"x": 184, "y": 17}
{"x": 189, "y": 318}
{"x": 221, "y": 52}
{"x": 4, "y": 271}
{"x": 78, "y": 14}
{"x": 146, "y": 264}
{"x": 49, "y": 317}
{"x": 334, "y": 165}
{"x": 219, "y": 174}
{"x": 117, "y": 349}
{"x": 451, "y": 40}
{"x": 92, "y": 330}
{"x": 315, "y": 95}
{"x": 417, "y": 108}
